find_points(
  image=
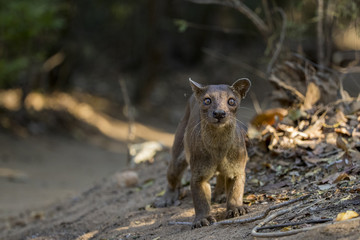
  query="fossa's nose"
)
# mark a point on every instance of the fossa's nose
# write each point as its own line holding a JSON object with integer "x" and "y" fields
{"x": 219, "y": 114}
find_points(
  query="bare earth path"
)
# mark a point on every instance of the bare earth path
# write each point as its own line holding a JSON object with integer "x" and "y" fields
{"x": 38, "y": 170}
{"x": 51, "y": 195}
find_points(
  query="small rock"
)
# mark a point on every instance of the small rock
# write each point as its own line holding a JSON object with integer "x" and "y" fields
{"x": 126, "y": 179}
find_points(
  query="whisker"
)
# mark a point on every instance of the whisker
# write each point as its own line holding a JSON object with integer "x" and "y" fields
{"x": 241, "y": 123}
{"x": 246, "y": 108}
{"x": 195, "y": 127}
{"x": 245, "y": 115}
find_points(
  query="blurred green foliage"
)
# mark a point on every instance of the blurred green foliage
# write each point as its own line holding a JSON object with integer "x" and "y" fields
{"x": 122, "y": 11}
{"x": 346, "y": 12}
{"x": 181, "y": 24}
{"x": 143, "y": 37}
{"x": 28, "y": 31}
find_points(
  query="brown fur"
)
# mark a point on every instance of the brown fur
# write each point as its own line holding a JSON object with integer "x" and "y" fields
{"x": 209, "y": 138}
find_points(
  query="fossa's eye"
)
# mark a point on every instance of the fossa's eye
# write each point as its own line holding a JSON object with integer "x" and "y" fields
{"x": 231, "y": 102}
{"x": 207, "y": 101}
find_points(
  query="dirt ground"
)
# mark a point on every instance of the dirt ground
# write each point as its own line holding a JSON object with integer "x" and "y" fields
{"x": 38, "y": 170}
{"x": 107, "y": 210}
{"x": 66, "y": 186}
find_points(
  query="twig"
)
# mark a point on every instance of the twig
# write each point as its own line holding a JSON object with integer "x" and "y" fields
{"x": 280, "y": 43}
{"x": 296, "y": 223}
{"x": 268, "y": 219}
{"x": 243, "y": 65}
{"x": 314, "y": 64}
{"x": 320, "y": 34}
{"x": 255, "y": 232}
{"x": 256, "y": 103}
{"x": 241, "y": 7}
{"x": 251, "y": 219}
{"x": 264, "y": 214}
{"x": 287, "y": 87}
{"x": 316, "y": 202}
{"x": 329, "y": 20}
{"x": 129, "y": 112}
{"x": 265, "y": 4}
{"x": 180, "y": 223}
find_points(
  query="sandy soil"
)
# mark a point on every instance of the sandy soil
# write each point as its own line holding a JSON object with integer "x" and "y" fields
{"x": 38, "y": 170}
{"x": 107, "y": 210}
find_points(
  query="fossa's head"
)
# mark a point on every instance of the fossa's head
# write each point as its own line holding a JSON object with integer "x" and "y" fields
{"x": 219, "y": 103}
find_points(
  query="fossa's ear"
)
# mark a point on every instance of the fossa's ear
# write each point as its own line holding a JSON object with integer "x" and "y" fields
{"x": 197, "y": 88}
{"x": 241, "y": 86}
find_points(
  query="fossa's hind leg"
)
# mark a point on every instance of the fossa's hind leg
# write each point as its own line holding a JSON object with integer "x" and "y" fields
{"x": 174, "y": 175}
{"x": 176, "y": 168}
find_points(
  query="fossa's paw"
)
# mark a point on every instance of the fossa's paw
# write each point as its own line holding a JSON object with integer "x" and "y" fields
{"x": 237, "y": 211}
{"x": 170, "y": 198}
{"x": 205, "y": 221}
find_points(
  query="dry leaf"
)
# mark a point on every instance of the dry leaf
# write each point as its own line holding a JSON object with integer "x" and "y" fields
{"x": 330, "y": 159}
{"x": 335, "y": 178}
{"x": 149, "y": 208}
{"x": 253, "y": 133}
{"x": 346, "y": 215}
{"x": 314, "y": 131}
{"x": 148, "y": 183}
{"x": 340, "y": 118}
{"x": 286, "y": 229}
{"x": 342, "y": 130}
{"x": 330, "y": 138}
{"x": 355, "y": 107}
{"x": 268, "y": 117}
{"x": 319, "y": 149}
{"x": 296, "y": 114}
{"x": 325, "y": 187}
{"x": 311, "y": 97}
{"x": 256, "y": 182}
{"x": 313, "y": 172}
{"x": 160, "y": 194}
{"x": 342, "y": 143}
{"x": 342, "y": 176}
{"x": 251, "y": 197}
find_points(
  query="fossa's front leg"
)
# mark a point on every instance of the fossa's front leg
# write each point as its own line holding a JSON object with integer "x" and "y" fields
{"x": 235, "y": 192}
{"x": 201, "y": 193}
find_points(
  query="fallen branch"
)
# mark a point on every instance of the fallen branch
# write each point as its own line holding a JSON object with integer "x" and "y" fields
{"x": 255, "y": 232}
{"x": 251, "y": 219}
{"x": 264, "y": 214}
{"x": 296, "y": 223}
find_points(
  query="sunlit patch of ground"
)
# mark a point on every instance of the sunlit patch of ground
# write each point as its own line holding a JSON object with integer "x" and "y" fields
{"x": 82, "y": 111}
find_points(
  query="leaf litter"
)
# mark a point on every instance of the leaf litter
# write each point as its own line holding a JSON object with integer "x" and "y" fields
{"x": 311, "y": 146}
